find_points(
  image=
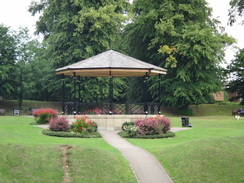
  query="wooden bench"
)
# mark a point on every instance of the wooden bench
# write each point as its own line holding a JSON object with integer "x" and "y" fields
{"x": 2, "y": 111}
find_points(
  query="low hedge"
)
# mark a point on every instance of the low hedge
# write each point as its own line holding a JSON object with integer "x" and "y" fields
{"x": 73, "y": 135}
{"x": 185, "y": 112}
{"x": 160, "y": 136}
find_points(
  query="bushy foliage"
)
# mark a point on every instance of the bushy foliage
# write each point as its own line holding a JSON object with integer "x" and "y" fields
{"x": 83, "y": 124}
{"x": 44, "y": 115}
{"x": 126, "y": 124}
{"x": 186, "y": 112}
{"x": 7, "y": 61}
{"x": 153, "y": 125}
{"x": 236, "y": 82}
{"x": 131, "y": 130}
{"x": 59, "y": 124}
{"x": 77, "y": 30}
{"x": 183, "y": 37}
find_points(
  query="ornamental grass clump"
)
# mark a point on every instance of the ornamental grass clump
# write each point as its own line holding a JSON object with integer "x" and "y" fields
{"x": 44, "y": 115}
{"x": 83, "y": 124}
{"x": 60, "y": 124}
{"x": 153, "y": 125}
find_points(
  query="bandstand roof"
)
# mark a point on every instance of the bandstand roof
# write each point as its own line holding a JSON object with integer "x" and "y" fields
{"x": 111, "y": 63}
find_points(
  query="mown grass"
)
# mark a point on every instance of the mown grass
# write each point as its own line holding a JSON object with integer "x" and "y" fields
{"x": 212, "y": 151}
{"x": 28, "y": 156}
{"x": 215, "y": 109}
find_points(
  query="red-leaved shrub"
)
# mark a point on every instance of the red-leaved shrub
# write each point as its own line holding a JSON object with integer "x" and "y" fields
{"x": 59, "y": 124}
{"x": 153, "y": 125}
{"x": 44, "y": 115}
{"x": 165, "y": 122}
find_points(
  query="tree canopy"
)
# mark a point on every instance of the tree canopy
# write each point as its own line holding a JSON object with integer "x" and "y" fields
{"x": 7, "y": 60}
{"x": 236, "y": 71}
{"x": 75, "y": 30}
{"x": 181, "y": 36}
{"x": 236, "y": 10}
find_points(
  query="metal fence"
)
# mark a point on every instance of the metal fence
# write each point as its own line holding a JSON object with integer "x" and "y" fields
{"x": 104, "y": 108}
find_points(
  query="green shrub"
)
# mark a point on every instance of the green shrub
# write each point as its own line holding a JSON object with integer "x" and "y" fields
{"x": 125, "y": 124}
{"x": 131, "y": 130}
{"x": 185, "y": 112}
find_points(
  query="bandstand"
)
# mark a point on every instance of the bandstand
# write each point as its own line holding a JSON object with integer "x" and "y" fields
{"x": 112, "y": 64}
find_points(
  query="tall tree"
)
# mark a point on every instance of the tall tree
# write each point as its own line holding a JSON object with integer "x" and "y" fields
{"x": 236, "y": 9}
{"x": 75, "y": 30}
{"x": 181, "y": 36}
{"x": 24, "y": 56}
{"x": 236, "y": 70}
{"x": 32, "y": 71}
{"x": 7, "y": 60}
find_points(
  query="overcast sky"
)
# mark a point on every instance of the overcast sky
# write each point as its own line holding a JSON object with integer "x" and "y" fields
{"x": 14, "y": 13}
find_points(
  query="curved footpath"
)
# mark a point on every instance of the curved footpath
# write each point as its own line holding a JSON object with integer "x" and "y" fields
{"x": 145, "y": 166}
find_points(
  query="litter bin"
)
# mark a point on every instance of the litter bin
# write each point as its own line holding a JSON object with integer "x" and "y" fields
{"x": 16, "y": 112}
{"x": 185, "y": 121}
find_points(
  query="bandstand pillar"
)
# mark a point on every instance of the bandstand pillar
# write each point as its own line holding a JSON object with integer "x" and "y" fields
{"x": 74, "y": 77}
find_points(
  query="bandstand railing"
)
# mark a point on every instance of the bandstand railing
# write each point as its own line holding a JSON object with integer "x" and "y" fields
{"x": 104, "y": 108}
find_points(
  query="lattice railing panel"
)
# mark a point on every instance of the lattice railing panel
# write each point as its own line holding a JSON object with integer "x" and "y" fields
{"x": 117, "y": 108}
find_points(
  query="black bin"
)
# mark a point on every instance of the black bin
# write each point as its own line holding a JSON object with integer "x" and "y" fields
{"x": 185, "y": 121}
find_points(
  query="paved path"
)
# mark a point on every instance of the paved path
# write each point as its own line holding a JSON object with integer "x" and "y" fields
{"x": 146, "y": 168}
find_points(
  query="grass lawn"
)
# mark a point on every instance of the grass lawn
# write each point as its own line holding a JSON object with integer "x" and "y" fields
{"x": 28, "y": 156}
{"x": 212, "y": 151}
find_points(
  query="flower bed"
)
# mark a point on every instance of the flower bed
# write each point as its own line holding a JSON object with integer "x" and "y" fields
{"x": 152, "y": 127}
{"x": 83, "y": 127}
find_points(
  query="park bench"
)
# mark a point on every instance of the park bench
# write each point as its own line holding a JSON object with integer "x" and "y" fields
{"x": 2, "y": 111}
